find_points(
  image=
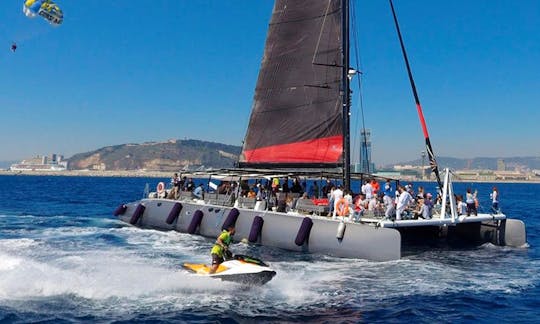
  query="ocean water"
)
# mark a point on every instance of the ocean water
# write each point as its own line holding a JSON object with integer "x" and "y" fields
{"x": 64, "y": 258}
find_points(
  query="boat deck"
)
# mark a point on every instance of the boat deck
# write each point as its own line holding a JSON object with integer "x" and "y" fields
{"x": 435, "y": 221}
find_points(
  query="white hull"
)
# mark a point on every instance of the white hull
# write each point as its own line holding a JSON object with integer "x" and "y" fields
{"x": 279, "y": 229}
{"x": 372, "y": 239}
{"x": 381, "y": 241}
{"x": 241, "y": 272}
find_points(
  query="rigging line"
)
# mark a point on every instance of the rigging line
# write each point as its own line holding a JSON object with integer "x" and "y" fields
{"x": 355, "y": 151}
{"x": 355, "y": 41}
{"x": 429, "y": 149}
{"x": 321, "y": 32}
{"x": 359, "y": 82}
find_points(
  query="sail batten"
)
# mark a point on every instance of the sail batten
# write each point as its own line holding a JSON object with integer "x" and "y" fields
{"x": 297, "y": 112}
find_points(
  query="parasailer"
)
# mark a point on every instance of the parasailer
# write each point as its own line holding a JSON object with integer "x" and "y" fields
{"x": 44, "y": 8}
{"x": 13, "y": 47}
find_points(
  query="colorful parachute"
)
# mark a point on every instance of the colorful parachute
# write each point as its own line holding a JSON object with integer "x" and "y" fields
{"x": 44, "y": 8}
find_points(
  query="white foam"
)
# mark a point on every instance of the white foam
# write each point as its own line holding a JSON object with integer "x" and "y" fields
{"x": 94, "y": 275}
{"x": 17, "y": 244}
{"x": 8, "y": 263}
{"x": 144, "y": 271}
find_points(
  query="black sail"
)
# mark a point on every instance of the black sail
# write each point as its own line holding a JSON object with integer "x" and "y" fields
{"x": 296, "y": 118}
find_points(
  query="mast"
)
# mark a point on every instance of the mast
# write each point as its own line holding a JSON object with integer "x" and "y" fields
{"x": 346, "y": 96}
{"x": 431, "y": 155}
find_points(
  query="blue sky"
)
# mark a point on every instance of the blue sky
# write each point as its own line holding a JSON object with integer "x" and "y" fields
{"x": 134, "y": 71}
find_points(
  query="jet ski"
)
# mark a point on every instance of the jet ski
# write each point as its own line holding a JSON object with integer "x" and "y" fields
{"x": 241, "y": 269}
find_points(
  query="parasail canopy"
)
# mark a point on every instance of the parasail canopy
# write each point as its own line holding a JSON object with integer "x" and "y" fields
{"x": 44, "y": 8}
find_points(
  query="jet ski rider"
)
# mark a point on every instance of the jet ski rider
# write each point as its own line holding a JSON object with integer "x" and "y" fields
{"x": 221, "y": 248}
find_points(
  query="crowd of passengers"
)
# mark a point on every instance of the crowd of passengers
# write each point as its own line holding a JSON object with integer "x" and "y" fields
{"x": 372, "y": 200}
{"x": 385, "y": 202}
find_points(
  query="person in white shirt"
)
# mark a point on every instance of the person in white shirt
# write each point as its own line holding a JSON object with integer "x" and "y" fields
{"x": 337, "y": 194}
{"x": 461, "y": 205}
{"x": 470, "y": 199}
{"x": 389, "y": 207}
{"x": 368, "y": 190}
{"x": 363, "y": 188}
{"x": 403, "y": 202}
{"x": 495, "y": 200}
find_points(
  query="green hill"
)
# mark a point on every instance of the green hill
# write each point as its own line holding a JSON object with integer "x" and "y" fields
{"x": 172, "y": 155}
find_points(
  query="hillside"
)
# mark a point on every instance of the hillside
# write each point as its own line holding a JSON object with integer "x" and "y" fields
{"x": 482, "y": 163}
{"x": 172, "y": 155}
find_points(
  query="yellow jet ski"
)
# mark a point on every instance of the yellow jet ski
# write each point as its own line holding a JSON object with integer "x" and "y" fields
{"x": 241, "y": 269}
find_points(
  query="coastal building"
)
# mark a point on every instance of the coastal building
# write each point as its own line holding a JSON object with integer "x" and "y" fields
{"x": 510, "y": 175}
{"x": 99, "y": 166}
{"x": 474, "y": 175}
{"x": 501, "y": 166}
{"x": 53, "y": 162}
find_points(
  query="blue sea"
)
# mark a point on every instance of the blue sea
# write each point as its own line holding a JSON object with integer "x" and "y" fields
{"x": 65, "y": 259}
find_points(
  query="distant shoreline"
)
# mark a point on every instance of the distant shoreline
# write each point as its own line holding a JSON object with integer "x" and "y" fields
{"x": 89, "y": 173}
{"x": 169, "y": 174}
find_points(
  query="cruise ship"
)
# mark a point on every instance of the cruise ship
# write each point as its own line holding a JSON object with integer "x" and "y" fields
{"x": 53, "y": 162}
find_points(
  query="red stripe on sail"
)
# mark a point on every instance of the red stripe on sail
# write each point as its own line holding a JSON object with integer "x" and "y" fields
{"x": 321, "y": 150}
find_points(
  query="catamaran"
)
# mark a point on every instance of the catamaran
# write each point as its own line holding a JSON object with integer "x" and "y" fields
{"x": 299, "y": 126}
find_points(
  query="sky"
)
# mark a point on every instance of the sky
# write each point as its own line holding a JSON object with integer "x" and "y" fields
{"x": 119, "y": 71}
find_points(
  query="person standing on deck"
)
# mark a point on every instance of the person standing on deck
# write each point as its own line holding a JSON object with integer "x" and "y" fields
{"x": 285, "y": 185}
{"x": 175, "y": 183}
{"x": 182, "y": 183}
{"x": 427, "y": 211}
{"x": 410, "y": 189}
{"x": 326, "y": 189}
{"x": 275, "y": 185}
{"x": 470, "y": 200}
{"x": 259, "y": 192}
{"x": 375, "y": 187}
{"x": 403, "y": 201}
{"x": 461, "y": 206}
{"x": 389, "y": 206}
{"x": 367, "y": 190}
{"x": 297, "y": 187}
{"x": 495, "y": 200}
{"x": 388, "y": 186}
{"x": 175, "y": 180}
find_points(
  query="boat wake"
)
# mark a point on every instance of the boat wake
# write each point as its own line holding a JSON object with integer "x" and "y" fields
{"x": 118, "y": 272}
